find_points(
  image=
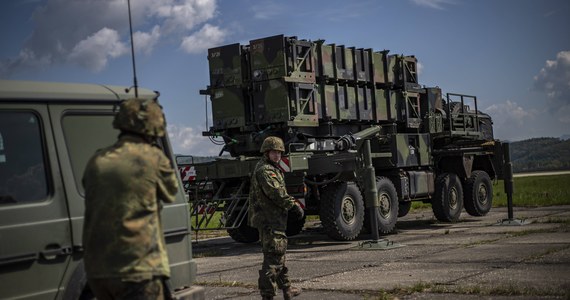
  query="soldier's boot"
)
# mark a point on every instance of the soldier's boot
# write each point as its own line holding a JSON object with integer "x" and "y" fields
{"x": 266, "y": 284}
{"x": 290, "y": 292}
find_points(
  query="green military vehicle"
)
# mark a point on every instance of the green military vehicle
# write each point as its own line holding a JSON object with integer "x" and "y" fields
{"x": 360, "y": 132}
{"x": 48, "y": 131}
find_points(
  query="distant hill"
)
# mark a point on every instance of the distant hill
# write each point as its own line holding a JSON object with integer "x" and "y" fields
{"x": 540, "y": 154}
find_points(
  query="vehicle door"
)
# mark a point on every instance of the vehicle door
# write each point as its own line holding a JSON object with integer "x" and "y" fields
{"x": 35, "y": 236}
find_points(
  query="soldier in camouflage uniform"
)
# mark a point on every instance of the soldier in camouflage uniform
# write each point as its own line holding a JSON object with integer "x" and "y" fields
{"x": 269, "y": 204}
{"x": 125, "y": 254}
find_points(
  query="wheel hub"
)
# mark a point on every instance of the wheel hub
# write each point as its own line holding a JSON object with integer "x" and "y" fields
{"x": 348, "y": 210}
{"x": 482, "y": 195}
{"x": 453, "y": 196}
{"x": 384, "y": 208}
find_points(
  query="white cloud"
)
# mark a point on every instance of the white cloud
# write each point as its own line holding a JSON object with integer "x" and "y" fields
{"x": 209, "y": 36}
{"x": 510, "y": 120}
{"x": 436, "y": 4}
{"x": 554, "y": 80}
{"x": 267, "y": 10}
{"x": 509, "y": 110}
{"x": 64, "y": 28}
{"x": 184, "y": 14}
{"x": 145, "y": 42}
{"x": 94, "y": 51}
{"x": 189, "y": 141}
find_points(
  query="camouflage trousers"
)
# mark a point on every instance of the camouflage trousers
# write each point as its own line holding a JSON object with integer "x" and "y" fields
{"x": 273, "y": 273}
{"x": 116, "y": 288}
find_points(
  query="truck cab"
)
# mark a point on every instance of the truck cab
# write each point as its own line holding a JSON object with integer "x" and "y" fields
{"x": 48, "y": 131}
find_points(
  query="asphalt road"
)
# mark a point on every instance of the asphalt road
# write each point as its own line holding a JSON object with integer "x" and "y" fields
{"x": 472, "y": 259}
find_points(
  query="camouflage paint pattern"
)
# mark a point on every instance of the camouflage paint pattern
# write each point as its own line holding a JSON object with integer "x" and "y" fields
{"x": 344, "y": 63}
{"x": 385, "y": 105}
{"x": 269, "y": 203}
{"x": 412, "y": 150}
{"x": 122, "y": 234}
{"x": 365, "y": 108}
{"x": 328, "y": 102}
{"x": 116, "y": 288}
{"x": 404, "y": 70}
{"x": 268, "y": 197}
{"x": 413, "y": 115}
{"x": 351, "y": 83}
{"x": 301, "y": 63}
{"x": 229, "y": 107}
{"x": 271, "y": 101}
{"x": 303, "y": 99}
{"x": 381, "y": 74}
{"x": 268, "y": 58}
{"x": 405, "y": 147}
{"x": 347, "y": 105}
{"x": 227, "y": 66}
{"x": 277, "y": 101}
{"x": 424, "y": 150}
{"x": 273, "y": 274}
{"x": 281, "y": 57}
{"x": 362, "y": 65}
{"x": 272, "y": 143}
{"x": 326, "y": 61}
{"x": 142, "y": 116}
{"x": 434, "y": 122}
{"x": 408, "y": 108}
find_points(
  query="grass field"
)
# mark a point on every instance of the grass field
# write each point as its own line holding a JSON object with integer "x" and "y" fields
{"x": 529, "y": 191}
{"x": 535, "y": 191}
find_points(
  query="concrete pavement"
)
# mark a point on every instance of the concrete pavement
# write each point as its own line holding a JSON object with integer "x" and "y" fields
{"x": 472, "y": 259}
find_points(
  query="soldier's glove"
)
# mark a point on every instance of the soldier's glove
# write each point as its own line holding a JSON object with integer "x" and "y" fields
{"x": 297, "y": 211}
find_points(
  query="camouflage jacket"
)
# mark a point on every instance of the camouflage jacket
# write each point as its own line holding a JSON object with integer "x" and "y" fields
{"x": 268, "y": 198}
{"x": 122, "y": 233}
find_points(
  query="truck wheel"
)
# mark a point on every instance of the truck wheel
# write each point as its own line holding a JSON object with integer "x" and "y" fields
{"x": 404, "y": 208}
{"x": 342, "y": 210}
{"x": 478, "y": 193}
{"x": 448, "y": 201}
{"x": 294, "y": 224}
{"x": 244, "y": 233}
{"x": 389, "y": 207}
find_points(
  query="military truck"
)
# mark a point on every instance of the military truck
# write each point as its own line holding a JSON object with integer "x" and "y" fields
{"x": 48, "y": 131}
{"x": 360, "y": 132}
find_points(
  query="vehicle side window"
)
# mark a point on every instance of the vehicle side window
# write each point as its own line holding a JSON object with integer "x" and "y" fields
{"x": 22, "y": 163}
{"x": 84, "y": 135}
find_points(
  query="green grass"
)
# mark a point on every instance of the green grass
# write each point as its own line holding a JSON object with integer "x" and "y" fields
{"x": 535, "y": 191}
{"x": 529, "y": 191}
{"x": 213, "y": 224}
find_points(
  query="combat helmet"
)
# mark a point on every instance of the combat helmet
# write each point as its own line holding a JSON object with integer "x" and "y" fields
{"x": 142, "y": 116}
{"x": 272, "y": 143}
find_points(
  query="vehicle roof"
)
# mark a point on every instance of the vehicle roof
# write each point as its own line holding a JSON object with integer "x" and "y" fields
{"x": 58, "y": 91}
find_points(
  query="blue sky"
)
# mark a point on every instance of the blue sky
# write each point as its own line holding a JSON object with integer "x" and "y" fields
{"x": 514, "y": 55}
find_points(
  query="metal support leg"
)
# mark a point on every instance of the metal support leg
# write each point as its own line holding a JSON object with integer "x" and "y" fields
{"x": 372, "y": 203}
{"x": 509, "y": 183}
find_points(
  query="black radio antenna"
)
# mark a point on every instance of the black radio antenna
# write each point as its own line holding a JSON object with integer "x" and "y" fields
{"x": 133, "y": 52}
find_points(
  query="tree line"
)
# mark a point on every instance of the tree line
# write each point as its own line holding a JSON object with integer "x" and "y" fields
{"x": 540, "y": 154}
